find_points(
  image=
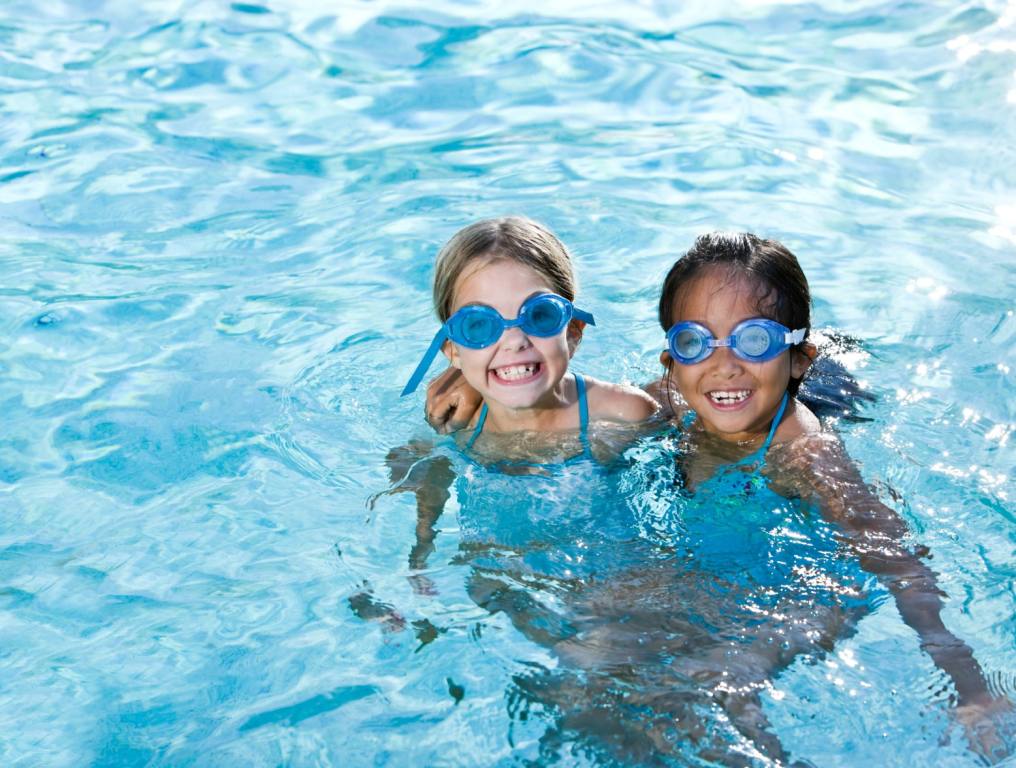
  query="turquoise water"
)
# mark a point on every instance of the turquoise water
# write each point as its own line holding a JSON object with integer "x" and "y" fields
{"x": 218, "y": 225}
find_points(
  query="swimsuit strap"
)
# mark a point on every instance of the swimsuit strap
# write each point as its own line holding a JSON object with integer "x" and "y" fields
{"x": 775, "y": 424}
{"x": 479, "y": 427}
{"x": 758, "y": 457}
{"x": 580, "y": 386}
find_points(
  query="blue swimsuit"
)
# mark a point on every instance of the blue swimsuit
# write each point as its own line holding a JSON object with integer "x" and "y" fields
{"x": 587, "y": 453}
{"x": 756, "y": 458}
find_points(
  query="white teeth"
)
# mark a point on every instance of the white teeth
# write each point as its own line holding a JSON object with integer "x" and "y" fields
{"x": 513, "y": 372}
{"x": 730, "y": 397}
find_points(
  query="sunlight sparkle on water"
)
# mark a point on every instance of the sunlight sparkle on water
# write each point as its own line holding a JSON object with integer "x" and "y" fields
{"x": 1000, "y": 433}
{"x": 911, "y": 395}
{"x": 927, "y": 285}
{"x": 1005, "y": 215}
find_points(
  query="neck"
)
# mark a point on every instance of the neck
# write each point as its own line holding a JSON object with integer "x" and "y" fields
{"x": 756, "y": 437}
{"x": 550, "y": 414}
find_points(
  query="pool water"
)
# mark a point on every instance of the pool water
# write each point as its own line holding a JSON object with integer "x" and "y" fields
{"x": 218, "y": 231}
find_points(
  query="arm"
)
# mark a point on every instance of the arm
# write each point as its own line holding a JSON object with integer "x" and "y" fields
{"x": 875, "y": 533}
{"x": 619, "y": 403}
{"x": 451, "y": 402}
{"x": 429, "y": 478}
{"x": 412, "y": 469}
{"x": 666, "y": 396}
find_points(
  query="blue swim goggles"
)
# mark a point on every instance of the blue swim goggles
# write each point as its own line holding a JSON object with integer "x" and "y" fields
{"x": 478, "y": 326}
{"x": 755, "y": 340}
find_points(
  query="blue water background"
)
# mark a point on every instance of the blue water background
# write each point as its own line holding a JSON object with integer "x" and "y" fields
{"x": 217, "y": 227}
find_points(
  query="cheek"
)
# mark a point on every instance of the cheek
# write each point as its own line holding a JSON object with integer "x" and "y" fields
{"x": 553, "y": 348}
{"x": 679, "y": 376}
{"x": 470, "y": 358}
{"x": 776, "y": 372}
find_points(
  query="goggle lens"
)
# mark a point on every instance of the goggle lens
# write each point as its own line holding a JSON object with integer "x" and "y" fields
{"x": 546, "y": 317}
{"x": 479, "y": 329}
{"x": 754, "y": 341}
{"x": 688, "y": 344}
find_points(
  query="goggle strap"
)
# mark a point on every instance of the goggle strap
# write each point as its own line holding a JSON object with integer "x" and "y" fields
{"x": 428, "y": 358}
{"x": 585, "y": 317}
{"x": 795, "y": 337}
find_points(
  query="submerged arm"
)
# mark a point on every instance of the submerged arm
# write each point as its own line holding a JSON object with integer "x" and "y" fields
{"x": 429, "y": 478}
{"x": 875, "y": 533}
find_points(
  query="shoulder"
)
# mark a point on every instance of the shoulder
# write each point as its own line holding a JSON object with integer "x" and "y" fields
{"x": 817, "y": 466}
{"x": 817, "y": 463}
{"x": 667, "y": 398}
{"x": 799, "y": 422}
{"x": 618, "y": 402}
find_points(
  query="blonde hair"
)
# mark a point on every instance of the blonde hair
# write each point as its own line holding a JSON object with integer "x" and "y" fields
{"x": 515, "y": 238}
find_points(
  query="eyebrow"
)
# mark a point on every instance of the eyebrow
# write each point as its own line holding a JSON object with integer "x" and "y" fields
{"x": 733, "y": 325}
{"x": 481, "y": 304}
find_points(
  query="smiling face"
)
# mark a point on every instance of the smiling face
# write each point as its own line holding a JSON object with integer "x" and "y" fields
{"x": 734, "y": 399}
{"x": 517, "y": 371}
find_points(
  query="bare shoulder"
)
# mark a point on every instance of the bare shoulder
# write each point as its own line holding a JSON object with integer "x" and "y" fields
{"x": 807, "y": 464}
{"x": 799, "y": 422}
{"x": 803, "y": 448}
{"x": 667, "y": 398}
{"x": 618, "y": 402}
{"x": 817, "y": 465}
{"x": 811, "y": 451}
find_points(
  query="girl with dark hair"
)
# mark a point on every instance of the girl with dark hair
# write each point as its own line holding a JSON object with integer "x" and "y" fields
{"x": 737, "y": 312}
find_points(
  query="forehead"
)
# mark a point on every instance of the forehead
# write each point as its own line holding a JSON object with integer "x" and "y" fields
{"x": 718, "y": 293}
{"x": 498, "y": 282}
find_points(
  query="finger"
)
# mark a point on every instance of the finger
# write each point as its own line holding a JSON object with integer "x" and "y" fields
{"x": 457, "y": 416}
{"x": 439, "y": 414}
{"x": 457, "y": 419}
{"x": 447, "y": 380}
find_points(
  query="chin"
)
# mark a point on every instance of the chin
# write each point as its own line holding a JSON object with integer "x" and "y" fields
{"x": 516, "y": 399}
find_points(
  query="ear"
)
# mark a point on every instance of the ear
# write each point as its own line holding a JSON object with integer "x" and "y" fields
{"x": 665, "y": 359}
{"x": 575, "y": 330}
{"x": 802, "y": 358}
{"x": 450, "y": 351}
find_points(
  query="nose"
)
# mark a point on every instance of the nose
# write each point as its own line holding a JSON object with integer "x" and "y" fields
{"x": 725, "y": 363}
{"x": 514, "y": 340}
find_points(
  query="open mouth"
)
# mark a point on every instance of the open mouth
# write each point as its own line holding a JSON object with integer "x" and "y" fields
{"x": 520, "y": 373}
{"x": 729, "y": 399}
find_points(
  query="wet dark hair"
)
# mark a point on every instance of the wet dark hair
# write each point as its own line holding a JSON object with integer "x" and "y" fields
{"x": 781, "y": 289}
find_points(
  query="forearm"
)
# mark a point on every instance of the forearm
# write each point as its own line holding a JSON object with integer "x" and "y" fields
{"x": 430, "y": 501}
{"x": 429, "y": 478}
{"x": 433, "y": 482}
{"x": 919, "y": 600}
{"x": 875, "y": 534}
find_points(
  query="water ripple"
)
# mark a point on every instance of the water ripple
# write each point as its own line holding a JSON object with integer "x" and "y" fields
{"x": 218, "y": 229}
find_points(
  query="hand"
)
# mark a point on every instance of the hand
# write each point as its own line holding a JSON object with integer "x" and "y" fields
{"x": 423, "y": 585}
{"x": 400, "y": 461}
{"x": 451, "y": 402}
{"x": 990, "y": 727}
